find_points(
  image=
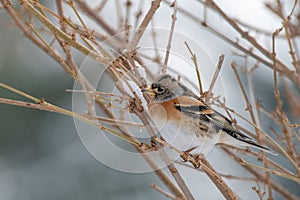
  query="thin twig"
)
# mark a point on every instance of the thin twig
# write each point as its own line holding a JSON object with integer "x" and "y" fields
{"x": 293, "y": 178}
{"x": 194, "y": 59}
{"x": 43, "y": 105}
{"x": 174, "y": 5}
{"x": 163, "y": 192}
{"x": 100, "y": 6}
{"x": 93, "y": 14}
{"x": 244, "y": 34}
{"x": 217, "y": 180}
{"x": 116, "y": 121}
{"x": 291, "y": 153}
{"x": 283, "y": 69}
{"x": 213, "y": 80}
{"x": 139, "y": 33}
{"x": 276, "y": 186}
{"x": 62, "y": 35}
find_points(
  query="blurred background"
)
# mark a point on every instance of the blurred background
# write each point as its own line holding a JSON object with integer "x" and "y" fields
{"x": 41, "y": 156}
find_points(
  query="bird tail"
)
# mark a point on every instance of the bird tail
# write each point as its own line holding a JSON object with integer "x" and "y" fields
{"x": 242, "y": 140}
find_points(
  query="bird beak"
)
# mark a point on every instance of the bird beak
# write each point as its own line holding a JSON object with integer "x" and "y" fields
{"x": 148, "y": 90}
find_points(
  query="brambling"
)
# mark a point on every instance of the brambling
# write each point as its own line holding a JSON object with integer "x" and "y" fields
{"x": 187, "y": 123}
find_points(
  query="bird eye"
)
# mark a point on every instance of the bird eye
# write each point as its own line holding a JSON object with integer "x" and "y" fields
{"x": 153, "y": 86}
{"x": 157, "y": 88}
{"x": 160, "y": 89}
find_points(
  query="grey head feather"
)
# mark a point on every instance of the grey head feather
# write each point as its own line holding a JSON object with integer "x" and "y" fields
{"x": 166, "y": 88}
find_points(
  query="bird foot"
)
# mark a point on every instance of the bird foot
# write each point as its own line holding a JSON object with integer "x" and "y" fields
{"x": 194, "y": 159}
{"x": 187, "y": 154}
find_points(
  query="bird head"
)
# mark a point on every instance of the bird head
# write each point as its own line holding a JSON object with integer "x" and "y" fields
{"x": 166, "y": 88}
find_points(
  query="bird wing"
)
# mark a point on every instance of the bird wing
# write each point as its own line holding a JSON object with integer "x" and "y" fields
{"x": 196, "y": 112}
{"x": 200, "y": 111}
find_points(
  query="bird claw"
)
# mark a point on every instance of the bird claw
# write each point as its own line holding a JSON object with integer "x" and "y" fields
{"x": 196, "y": 164}
{"x": 185, "y": 156}
{"x": 194, "y": 159}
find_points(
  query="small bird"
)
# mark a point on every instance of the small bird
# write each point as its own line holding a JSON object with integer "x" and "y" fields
{"x": 187, "y": 123}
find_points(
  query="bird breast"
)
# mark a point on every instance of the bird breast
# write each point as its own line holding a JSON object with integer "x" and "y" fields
{"x": 181, "y": 131}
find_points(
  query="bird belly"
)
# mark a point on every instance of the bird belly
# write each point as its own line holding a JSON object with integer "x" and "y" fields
{"x": 184, "y": 136}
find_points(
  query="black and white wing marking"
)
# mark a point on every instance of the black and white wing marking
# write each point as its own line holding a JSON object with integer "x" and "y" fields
{"x": 219, "y": 121}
